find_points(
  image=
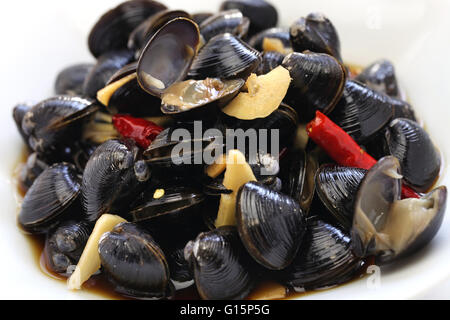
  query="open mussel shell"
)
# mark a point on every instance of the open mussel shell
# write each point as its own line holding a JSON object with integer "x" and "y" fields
{"x": 390, "y": 228}
{"x": 112, "y": 30}
{"x": 55, "y": 123}
{"x": 261, "y": 13}
{"x": 135, "y": 263}
{"x": 380, "y": 76}
{"x": 337, "y": 187}
{"x": 147, "y": 29}
{"x": 123, "y": 94}
{"x": 315, "y": 33}
{"x": 222, "y": 268}
{"x": 175, "y": 46}
{"x": 50, "y": 199}
{"x": 412, "y": 146}
{"x": 281, "y": 34}
{"x": 107, "y": 64}
{"x": 325, "y": 259}
{"x": 318, "y": 82}
{"x": 112, "y": 175}
{"x": 270, "y": 224}
{"x": 65, "y": 244}
{"x": 71, "y": 79}
{"x": 362, "y": 112}
{"x": 225, "y": 57}
{"x": 297, "y": 174}
{"x": 188, "y": 95}
{"x": 230, "y": 21}
{"x": 170, "y": 200}
{"x": 270, "y": 60}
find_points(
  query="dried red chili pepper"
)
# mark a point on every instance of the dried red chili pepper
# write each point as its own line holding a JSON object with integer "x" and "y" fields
{"x": 143, "y": 132}
{"x": 342, "y": 148}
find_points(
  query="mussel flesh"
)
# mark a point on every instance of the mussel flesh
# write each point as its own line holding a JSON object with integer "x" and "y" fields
{"x": 280, "y": 34}
{"x": 390, "y": 228}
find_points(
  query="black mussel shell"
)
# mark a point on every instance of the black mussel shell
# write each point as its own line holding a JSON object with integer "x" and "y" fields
{"x": 71, "y": 79}
{"x": 282, "y": 122}
{"x": 135, "y": 263}
{"x": 221, "y": 266}
{"x": 270, "y": 224}
{"x": 113, "y": 29}
{"x": 262, "y": 14}
{"x": 403, "y": 109}
{"x": 380, "y": 76}
{"x": 110, "y": 179}
{"x": 388, "y": 227}
{"x": 230, "y": 21}
{"x": 336, "y": 187}
{"x": 226, "y": 57}
{"x": 147, "y": 29}
{"x": 55, "y": 123}
{"x": 270, "y": 60}
{"x": 199, "y": 17}
{"x": 298, "y": 170}
{"x": 182, "y": 150}
{"x": 106, "y": 66}
{"x": 318, "y": 81}
{"x": 30, "y": 171}
{"x": 325, "y": 259}
{"x": 273, "y": 33}
{"x": 51, "y": 199}
{"x": 362, "y": 112}
{"x": 412, "y": 146}
{"x": 175, "y": 45}
{"x": 170, "y": 200}
{"x": 315, "y": 33}
{"x": 123, "y": 94}
{"x": 64, "y": 246}
{"x": 188, "y": 95}
{"x": 19, "y": 112}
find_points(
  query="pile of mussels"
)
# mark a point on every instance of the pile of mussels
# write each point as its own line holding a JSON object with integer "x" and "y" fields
{"x": 102, "y": 187}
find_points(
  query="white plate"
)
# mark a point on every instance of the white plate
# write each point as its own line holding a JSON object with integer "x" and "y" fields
{"x": 41, "y": 37}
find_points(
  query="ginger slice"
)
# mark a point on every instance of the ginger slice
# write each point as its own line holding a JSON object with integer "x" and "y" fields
{"x": 264, "y": 96}
{"x": 104, "y": 95}
{"x": 238, "y": 173}
{"x": 90, "y": 259}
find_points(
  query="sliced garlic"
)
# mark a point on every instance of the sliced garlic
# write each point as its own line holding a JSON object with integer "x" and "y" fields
{"x": 90, "y": 259}
{"x": 264, "y": 96}
{"x": 238, "y": 172}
